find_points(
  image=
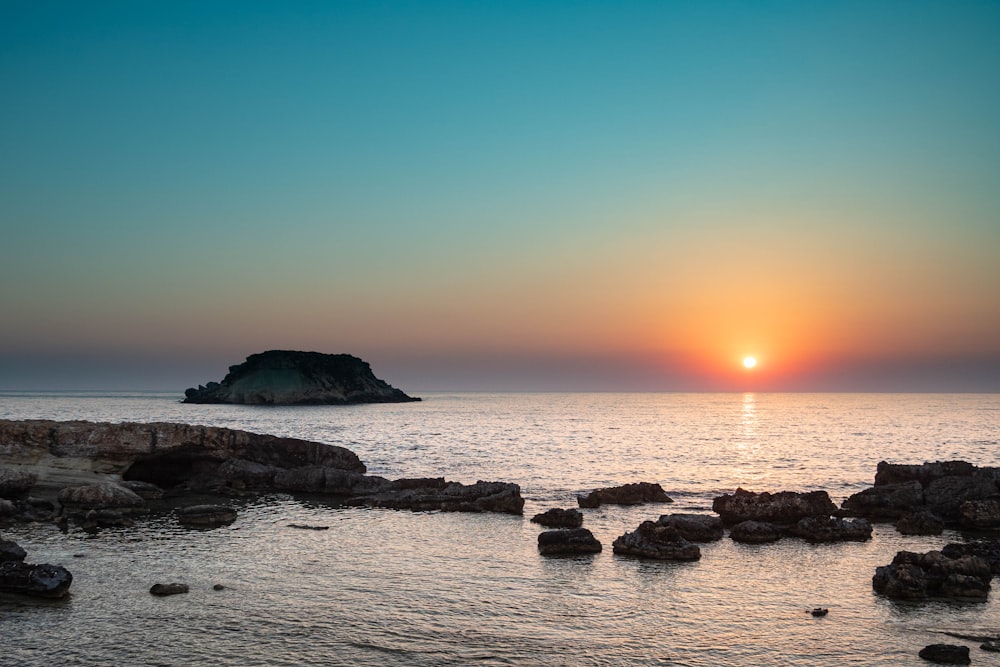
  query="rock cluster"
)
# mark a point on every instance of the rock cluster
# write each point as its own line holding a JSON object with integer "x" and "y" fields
{"x": 758, "y": 518}
{"x": 16, "y": 576}
{"x": 627, "y": 494}
{"x": 915, "y": 576}
{"x": 286, "y": 377}
{"x": 657, "y": 541}
{"x": 694, "y": 527}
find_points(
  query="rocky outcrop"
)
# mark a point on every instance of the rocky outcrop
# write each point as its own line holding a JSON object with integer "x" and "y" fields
{"x": 285, "y": 377}
{"x": 15, "y": 484}
{"x": 988, "y": 550}
{"x": 559, "y": 518}
{"x": 920, "y": 522}
{"x": 441, "y": 495}
{"x": 568, "y": 542}
{"x": 958, "y": 492}
{"x": 101, "y": 505}
{"x": 946, "y": 654}
{"x": 656, "y": 541}
{"x": 831, "y": 529}
{"x": 627, "y": 494}
{"x": 755, "y": 532}
{"x": 786, "y": 507}
{"x": 914, "y": 576}
{"x": 16, "y": 576}
{"x": 694, "y": 527}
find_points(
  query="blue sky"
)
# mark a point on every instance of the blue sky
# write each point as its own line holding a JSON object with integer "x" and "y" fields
{"x": 449, "y": 189}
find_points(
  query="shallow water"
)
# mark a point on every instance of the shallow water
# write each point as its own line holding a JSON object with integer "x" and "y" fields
{"x": 384, "y": 587}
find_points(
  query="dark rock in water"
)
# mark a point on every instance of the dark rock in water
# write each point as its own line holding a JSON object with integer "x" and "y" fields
{"x": 626, "y": 494}
{"x": 652, "y": 540}
{"x": 889, "y": 501}
{"x": 991, "y": 646}
{"x": 11, "y": 551}
{"x": 832, "y": 529}
{"x": 559, "y": 518}
{"x": 218, "y": 587}
{"x": 946, "y": 654}
{"x": 914, "y": 576}
{"x": 162, "y": 590}
{"x": 45, "y": 581}
{"x": 202, "y": 516}
{"x": 946, "y": 495}
{"x": 694, "y": 527}
{"x": 101, "y": 505}
{"x": 302, "y": 526}
{"x": 921, "y": 522}
{"x": 569, "y": 541}
{"x": 755, "y": 532}
{"x": 924, "y": 473}
{"x": 16, "y": 483}
{"x": 438, "y": 494}
{"x": 786, "y": 507}
{"x": 285, "y": 377}
{"x": 820, "y": 611}
{"x": 980, "y": 514}
{"x": 988, "y": 550}
{"x": 145, "y": 490}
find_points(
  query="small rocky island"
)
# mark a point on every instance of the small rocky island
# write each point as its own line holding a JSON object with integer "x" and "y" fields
{"x": 286, "y": 377}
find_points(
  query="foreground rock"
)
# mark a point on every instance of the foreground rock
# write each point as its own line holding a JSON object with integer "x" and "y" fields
{"x": 11, "y": 551}
{"x": 206, "y": 516}
{"x": 44, "y": 581}
{"x": 694, "y": 527}
{"x": 568, "y": 542}
{"x": 914, "y": 576}
{"x": 958, "y": 492}
{"x": 786, "y": 507}
{"x": 656, "y": 541}
{"x": 628, "y": 494}
{"x": 284, "y": 377}
{"x": 946, "y": 654}
{"x": 559, "y": 518}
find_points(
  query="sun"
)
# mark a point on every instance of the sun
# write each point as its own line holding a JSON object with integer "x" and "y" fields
{"x": 749, "y": 362}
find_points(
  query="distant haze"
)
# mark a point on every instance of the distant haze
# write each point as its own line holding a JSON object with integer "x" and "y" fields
{"x": 503, "y": 196}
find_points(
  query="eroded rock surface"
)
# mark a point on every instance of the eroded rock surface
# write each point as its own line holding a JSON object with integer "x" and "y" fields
{"x": 568, "y": 541}
{"x": 786, "y": 507}
{"x": 656, "y": 541}
{"x": 915, "y": 576}
{"x": 559, "y": 518}
{"x": 626, "y": 494}
{"x": 694, "y": 527}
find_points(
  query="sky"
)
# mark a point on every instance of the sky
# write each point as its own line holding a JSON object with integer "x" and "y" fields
{"x": 536, "y": 196}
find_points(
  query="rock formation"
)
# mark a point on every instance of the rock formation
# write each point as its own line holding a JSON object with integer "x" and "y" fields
{"x": 627, "y": 494}
{"x": 694, "y": 527}
{"x": 755, "y": 532}
{"x": 946, "y": 654}
{"x": 559, "y": 518}
{"x": 914, "y": 576}
{"x": 566, "y": 542}
{"x": 283, "y": 377}
{"x": 16, "y": 576}
{"x": 786, "y": 507}
{"x": 652, "y": 540}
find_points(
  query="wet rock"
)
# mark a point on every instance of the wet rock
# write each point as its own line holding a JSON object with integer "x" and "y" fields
{"x": 991, "y": 646}
{"x": 627, "y": 494}
{"x": 162, "y": 590}
{"x": 99, "y": 496}
{"x": 45, "y": 581}
{"x": 567, "y": 541}
{"x": 914, "y": 576}
{"x": 889, "y": 501}
{"x": 218, "y": 587}
{"x": 16, "y": 483}
{"x": 11, "y": 551}
{"x": 980, "y": 514}
{"x": 205, "y": 516}
{"x": 946, "y": 654}
{"x": 145, "y": 490}
{"x": 694, "y": 527}
{"x": 786, "y": 507}
{"x": 302, "y": 526}
{"x": 988, "y": 550}
{"x": 755, "y": 532}
{"x": 944, "y": 496}
{"x": 286, "y": 377}
{"x": 559, "y": 518}
{"x": 437, "y": 494}
{"x": 920, "y": 522}
{"x": 652, "y": 540}
{"x": 924, "y": 473}
{"x": 820, "y": 612}
{"x": 832, "y": 529}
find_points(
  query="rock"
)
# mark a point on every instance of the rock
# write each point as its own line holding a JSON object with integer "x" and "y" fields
{"x": 568, "y": 541}
{"x": 46, "y": 581}
{"x": 7, "y": 508}
{"x": 820, "y": 611}
{"x": 786, "y": 507}
{"x": 302, "y": 526}
{"x": 162, "y": 590}
{"x": 755, "y": 532}
{"x": 218, "y": 587}
{"x": 924, "y": 473}
{"x": 913, "y": 576}
{"x": 284, "y": 377}
{"x": 980, "y": 514}
{"x": 11, "y": 551}
{"x": 99, "y": 496}
{"x": 944, "y": 496}
{"x": 991, "y": 646}
{"x": 437, "y": 494}
{"x": 627, "y": 494}
{"x": 559, "y": 518}
{"x": 652, "y": 540}
{"x": 889, "y": 501}
{"x": 16, "y": 483}
{"x": 920, "y": 522}
{"x": 832, "y": 529}
{"x": 694, "y": 527}
{"x": 988, "y": 550}
{"x": 145, "y": 490}
{"x": 946, "y": 654}
{"x": 202, "y": 516}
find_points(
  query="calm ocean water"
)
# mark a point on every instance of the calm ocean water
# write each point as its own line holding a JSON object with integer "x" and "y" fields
{"x": 384, "y": 587}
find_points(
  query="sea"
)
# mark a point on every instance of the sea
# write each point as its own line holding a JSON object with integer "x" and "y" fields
{"x": 389, "y": 587}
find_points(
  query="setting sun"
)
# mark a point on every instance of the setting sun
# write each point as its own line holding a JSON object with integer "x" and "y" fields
{"x": 749, "y": 362}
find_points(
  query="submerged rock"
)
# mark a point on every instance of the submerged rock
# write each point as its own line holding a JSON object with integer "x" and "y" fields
{"x": 786, "y": 507}
{"x": 568, "y": 541}
{"x": 914, "y": 576}
{"x": 45, "y": 581}
{"x": 946, "y": 654}
{"x": 626, "y": 494}
{"x": 162, "y": 590}
{"x": 694, "y": 527}
{"x": 559, "y": 518}
{"x": 205, "y": 516}
{"x": 656, "y": 541}
{"x": 286, "y": 377}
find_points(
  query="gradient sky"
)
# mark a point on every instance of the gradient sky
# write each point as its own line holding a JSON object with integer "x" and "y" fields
{"x": 503, "y": 195}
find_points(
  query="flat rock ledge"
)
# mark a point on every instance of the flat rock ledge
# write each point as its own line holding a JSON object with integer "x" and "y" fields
{"x": 568, "y": 542}
{"x": 916, "y": 576}
{"x": 287, "y": 377}
{"x": 636, "y": 493}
